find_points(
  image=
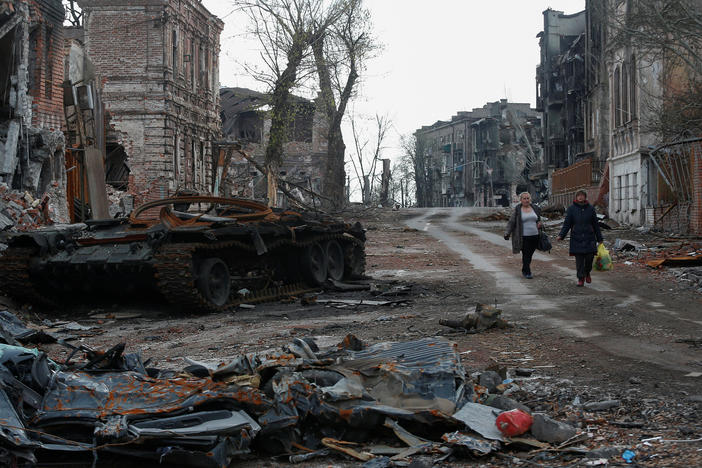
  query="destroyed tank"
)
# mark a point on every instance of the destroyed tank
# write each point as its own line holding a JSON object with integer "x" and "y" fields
{"x": 199, "y": 253}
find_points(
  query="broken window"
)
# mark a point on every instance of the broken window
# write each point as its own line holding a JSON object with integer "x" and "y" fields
{"x": 176, "y": 159}
{"x": 49, "y": 73}
{"x": 616, "y": 104}
{"x": 249, "y": 127}
{"x": 632, "y": 87}
{"x": 174, "y": 58}
{"x": 625, "y": 98}
{"x": 116, "y": 168}
{"x": 300, "y": 127}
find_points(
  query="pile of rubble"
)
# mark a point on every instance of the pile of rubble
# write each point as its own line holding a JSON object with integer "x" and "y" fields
{"x": 381, "y": 405}
{"x": 121, "y": 202}
{"x": 21, "y": 211}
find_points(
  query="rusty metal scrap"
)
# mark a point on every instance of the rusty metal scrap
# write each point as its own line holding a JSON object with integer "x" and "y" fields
{"x": 299, "y": 401}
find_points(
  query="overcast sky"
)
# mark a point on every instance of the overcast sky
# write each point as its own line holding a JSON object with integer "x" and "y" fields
{"x": 439, "y": 57}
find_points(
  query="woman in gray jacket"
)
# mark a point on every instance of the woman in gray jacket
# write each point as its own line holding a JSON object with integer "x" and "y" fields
{"x": 523, "y": 228}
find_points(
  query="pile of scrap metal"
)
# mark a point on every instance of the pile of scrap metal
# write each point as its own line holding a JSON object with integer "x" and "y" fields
{"x": 199, "y": 253}
{"x": 380, "y": 404}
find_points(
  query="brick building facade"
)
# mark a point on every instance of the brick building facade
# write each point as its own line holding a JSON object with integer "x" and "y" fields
{"x": 157, "y": 61}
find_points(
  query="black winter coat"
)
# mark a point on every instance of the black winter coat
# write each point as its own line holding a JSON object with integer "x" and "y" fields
{"x": 581, "y": 220}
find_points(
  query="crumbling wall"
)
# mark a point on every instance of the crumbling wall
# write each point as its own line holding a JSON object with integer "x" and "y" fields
{"x": 304, "y": 154}
{"x": 31, "y": 142}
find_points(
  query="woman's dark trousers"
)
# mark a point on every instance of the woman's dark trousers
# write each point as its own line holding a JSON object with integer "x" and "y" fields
{"x": 583, "y": 264}
{"x": 528, "y": 247}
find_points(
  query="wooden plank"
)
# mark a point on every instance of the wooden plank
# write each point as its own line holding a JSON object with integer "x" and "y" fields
{"x": 95, "y": 175}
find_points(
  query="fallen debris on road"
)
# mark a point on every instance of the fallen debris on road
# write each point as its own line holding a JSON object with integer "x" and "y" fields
{"x": 484, "y": 317}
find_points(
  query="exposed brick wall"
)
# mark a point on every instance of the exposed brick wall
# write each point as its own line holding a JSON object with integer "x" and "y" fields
{"x": 157, "y": 61}
{"x": 46, "y": 66}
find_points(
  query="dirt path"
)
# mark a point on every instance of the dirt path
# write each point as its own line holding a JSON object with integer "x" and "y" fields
{"x": 627, "y": 318}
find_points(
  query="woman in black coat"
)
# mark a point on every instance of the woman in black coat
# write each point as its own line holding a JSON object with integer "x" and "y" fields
{"x": 581, "y": 220}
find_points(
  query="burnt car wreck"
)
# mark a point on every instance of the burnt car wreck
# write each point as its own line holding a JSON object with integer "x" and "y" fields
{"x": 200, "y": 253}
{"x": 297, "y": 402}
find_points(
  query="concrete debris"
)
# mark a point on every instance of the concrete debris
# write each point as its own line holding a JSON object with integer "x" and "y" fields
{"x": 121, "y": 203}
{"x": 484, "y": 317}
{"x": 549, "y": 430}
{"x": 627, "y": 245}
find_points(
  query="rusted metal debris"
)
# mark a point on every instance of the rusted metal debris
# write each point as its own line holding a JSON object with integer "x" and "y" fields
{"x": 198, "y": 252}
{"x": 381, "y": 404}
{"x": 676, "y": 261}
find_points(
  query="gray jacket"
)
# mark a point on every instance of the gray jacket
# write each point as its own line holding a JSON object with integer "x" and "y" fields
{"x": 514, "y": 226}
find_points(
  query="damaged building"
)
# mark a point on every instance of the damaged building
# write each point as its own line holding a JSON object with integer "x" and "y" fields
{"x": 571, "y": 94}
{"x": 481, "y": 157}
{"x": 599, "y": 108}
{"x": 158, "y": 65}
{"x": 245, "y": 119}
{"x": 31, "y": 109}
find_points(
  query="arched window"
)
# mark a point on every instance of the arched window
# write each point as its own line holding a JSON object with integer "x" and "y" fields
{"x": 632, "y": 87}
{"x": 625, "y": 95}
{"x": 616, "y": 98}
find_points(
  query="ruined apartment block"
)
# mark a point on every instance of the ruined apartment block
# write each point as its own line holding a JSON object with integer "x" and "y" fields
{"x": 572, "y": 94}
{"x": 31, "y": 99}
{"x": 158, "y": 64}
{"x": 245, "y": 119}
{"x": 481, "y": 157}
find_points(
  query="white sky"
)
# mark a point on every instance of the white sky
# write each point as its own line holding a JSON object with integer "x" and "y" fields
{"x": 439, "y": 57}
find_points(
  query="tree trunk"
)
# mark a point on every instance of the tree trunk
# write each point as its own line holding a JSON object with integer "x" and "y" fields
{"x": 385, "y": 182}
{"x": 281, "y": 113}
{"x": 335, "y": 176}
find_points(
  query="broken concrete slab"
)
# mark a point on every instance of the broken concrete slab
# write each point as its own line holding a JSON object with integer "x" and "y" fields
{"x": 549, "y": 430}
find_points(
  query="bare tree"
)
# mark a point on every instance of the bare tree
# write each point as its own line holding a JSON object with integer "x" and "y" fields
{"x": 74, "y": 14}
{"x": 402, "y": 183}
{"x": 339, "y": 54}
{"x": 413, "y": 152}
{"x": 365, "y": 159}
{"x": 286, "y": 29}
{"x": 669, "y": 33}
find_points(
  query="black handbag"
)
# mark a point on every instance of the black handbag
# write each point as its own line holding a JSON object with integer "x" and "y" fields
{"x": 544, "y": 243}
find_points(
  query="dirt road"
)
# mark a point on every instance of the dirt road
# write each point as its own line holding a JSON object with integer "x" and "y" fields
{"x": 625, "y": 317}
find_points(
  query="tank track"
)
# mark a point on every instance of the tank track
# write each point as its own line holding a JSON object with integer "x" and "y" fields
{"x": 175, "y": 275}
{"x": 14, "y": 276}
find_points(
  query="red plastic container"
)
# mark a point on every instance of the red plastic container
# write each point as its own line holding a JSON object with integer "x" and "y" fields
{"x": 514, "y": 422}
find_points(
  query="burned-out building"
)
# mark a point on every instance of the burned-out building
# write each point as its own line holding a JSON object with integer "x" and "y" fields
{"x": 504, "y": 152}
{"x": 480, "y": 157}
{"x": 31, "y": 100}
{"x": 157, "y": 62}
{"x": 245, "y": 119}
{"x": 572, "y": 94}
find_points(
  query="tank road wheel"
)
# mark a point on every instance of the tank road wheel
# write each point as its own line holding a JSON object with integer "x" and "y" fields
{"x": 314, "y": 264}
{"x": 335, "y": 261}
{"x": 213, "y": 281}
{"x": 355, "y": 261}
